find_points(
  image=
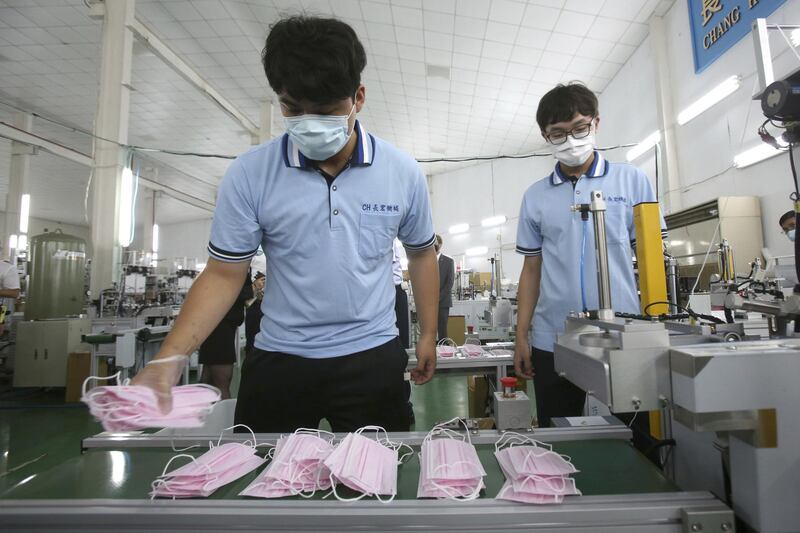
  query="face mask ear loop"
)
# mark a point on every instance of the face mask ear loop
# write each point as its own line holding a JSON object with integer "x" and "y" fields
{"x": 336, "y": 495}
{"x": 98, "y": 378}
{"x": 390, "y": 500}
{"x": 174, "y": 449}
{"x": 254, "y": 445}
{"x": 164, "y": 472}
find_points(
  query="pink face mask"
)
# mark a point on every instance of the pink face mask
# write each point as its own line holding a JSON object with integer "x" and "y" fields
{"x": 472, "y": 350}
{"x": 534, "y": 472}
{"x": 507, "y": 493}
{"x": 129, "y": 408}
{"x": 297, "y": 466}
{"x": 366, "y": 465}
{"x": 220, "y": 465}
{"x": 446, "y": 348}
{"x": 449, "y": 466}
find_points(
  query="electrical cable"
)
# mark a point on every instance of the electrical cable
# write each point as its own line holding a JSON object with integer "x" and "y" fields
{"x": 705, "y": 259}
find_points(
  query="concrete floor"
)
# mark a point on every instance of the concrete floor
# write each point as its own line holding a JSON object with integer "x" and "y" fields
{"x": 38, "y": 430}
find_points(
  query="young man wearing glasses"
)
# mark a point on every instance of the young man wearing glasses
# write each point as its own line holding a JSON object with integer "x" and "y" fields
{"x": 555, "y": 241}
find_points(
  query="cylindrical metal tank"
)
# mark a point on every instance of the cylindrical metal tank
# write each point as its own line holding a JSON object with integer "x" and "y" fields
{"x": 57, "y": 265}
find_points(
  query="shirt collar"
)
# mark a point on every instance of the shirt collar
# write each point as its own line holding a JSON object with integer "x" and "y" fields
{"x": 363, "y": 155}
{"x": 599, "y": 168}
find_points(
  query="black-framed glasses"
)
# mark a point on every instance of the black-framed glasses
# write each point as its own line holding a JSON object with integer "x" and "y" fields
{"x": 580, "y": 131}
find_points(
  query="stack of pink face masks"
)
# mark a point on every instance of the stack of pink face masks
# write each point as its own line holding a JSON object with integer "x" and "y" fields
{"x": 534, "y": 472}
{"x": 297, "y": 466}
{"x": 133, "y": 407}
{"x": 366, "y": 465}
{"x": 446, "y": 348}
{"x": 472, "y": 350}
{"x": 219, "y": 466}
{"x": 449, "y": 466}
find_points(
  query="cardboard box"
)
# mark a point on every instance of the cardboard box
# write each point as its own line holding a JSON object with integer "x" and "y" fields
{"x": 78, "y": 367}
{"x": 457, "y": 328}
{"x": 477, "y": 396}
{"x": 481, "y": 280}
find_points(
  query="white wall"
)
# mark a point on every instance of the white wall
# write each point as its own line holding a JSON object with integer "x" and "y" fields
{"x": 37, "y": 226}
{"x": 185, "y": 239}
{"x": 705, "y": 147}
{"x": 470, "y": 194}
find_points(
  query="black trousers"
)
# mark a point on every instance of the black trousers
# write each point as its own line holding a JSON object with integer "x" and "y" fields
{"x": 280, "y": 393}
{"x": 444, "y": 312}
{"x": 401, "y": 312}
{"x": 220, "y": 346}
{"x": 252, "y": 324}
{"x": 555, "y": 396}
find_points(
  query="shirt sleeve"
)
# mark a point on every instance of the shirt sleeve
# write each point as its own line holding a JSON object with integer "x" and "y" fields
{"x": 529, "y": 234}
{"x": 645, "y": 194}
{"x": 416, "y": 227}
{"x": 11, "y": 278}
{"x": 235, "y": 231}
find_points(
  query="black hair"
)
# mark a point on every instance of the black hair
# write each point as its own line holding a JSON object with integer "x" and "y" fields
{"x": 313, "y": 58}
{"x": 563, "y": 102}
{"x": 786, "y": 216}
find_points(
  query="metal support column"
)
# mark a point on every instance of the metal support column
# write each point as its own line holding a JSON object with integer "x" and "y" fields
{"x": 671, "y": 181}
{"x": 111, "y": 122}
{"x": 19, "y": 182}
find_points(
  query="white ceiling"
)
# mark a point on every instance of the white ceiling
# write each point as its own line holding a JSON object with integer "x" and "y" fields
{"x": 502, "y": 56}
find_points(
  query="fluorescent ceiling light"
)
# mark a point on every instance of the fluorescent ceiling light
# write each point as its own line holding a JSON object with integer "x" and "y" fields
{"x": 24, "y": 212}
{"x": 795, "y": 37}
{"x": 125, "y": 208}
{"x": 478, "y": 250}
{"x": 713, "y": 96}
{"x": 493, "y": 221}
{"x": 677, "y": 243}
{"x": 155, "y": 238}
{"x": 23, "y": 243}
{"x": 649, "y": 141}
{"x": 12, "y": 242}
{"x": 458, "y": 228}
{"x": 754, "y": 155}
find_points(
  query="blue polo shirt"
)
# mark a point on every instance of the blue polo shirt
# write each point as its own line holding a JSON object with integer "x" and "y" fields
{"x": 328, "y": 245}
{"x": 548, "y": 228}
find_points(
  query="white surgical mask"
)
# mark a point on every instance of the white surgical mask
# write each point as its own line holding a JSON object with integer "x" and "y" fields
{"x": 319, "y": 137}
{"x": 574, "y": 152}
{"x": 790, "y": 234}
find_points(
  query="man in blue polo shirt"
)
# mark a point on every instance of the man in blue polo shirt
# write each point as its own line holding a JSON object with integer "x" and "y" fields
{"x": 555, "y": 242}
{"x": 325, "y": 201}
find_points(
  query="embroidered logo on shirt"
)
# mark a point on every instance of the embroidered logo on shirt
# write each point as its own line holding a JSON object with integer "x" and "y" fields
{"x": 616, "y": 199}
{"x": 380, "y": 208}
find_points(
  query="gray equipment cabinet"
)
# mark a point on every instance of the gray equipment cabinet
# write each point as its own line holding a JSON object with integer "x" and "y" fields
{"x": 43, "y": 347}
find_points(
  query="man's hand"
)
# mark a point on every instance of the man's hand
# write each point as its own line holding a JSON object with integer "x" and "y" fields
{"x": 426, "y": 360}
{"x": 161, "y": 375}
{"x": 522, "y": 358}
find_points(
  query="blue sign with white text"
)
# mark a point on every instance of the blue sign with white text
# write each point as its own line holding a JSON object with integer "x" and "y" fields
{"x": 719, "y": 24}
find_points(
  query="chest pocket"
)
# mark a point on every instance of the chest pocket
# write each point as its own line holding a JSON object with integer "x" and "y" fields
{"x": 617, "y": 224}
{"x": 376, "y": 234}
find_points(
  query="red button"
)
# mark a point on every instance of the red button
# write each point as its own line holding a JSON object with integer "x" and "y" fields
{"x": 509, "y": 382}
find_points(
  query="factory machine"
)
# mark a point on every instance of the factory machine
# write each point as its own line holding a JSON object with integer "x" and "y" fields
{"x": 54, "y": 320}
{"x": 622, "y": 491}
{"x": 697, "y": 378}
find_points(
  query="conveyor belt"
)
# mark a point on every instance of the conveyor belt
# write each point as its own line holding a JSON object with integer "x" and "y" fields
{"x": 109, "y": 487}
{"x": 127, "y": 474}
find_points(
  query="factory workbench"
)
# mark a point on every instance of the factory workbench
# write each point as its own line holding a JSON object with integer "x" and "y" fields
{"x": 109, "y": 484}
